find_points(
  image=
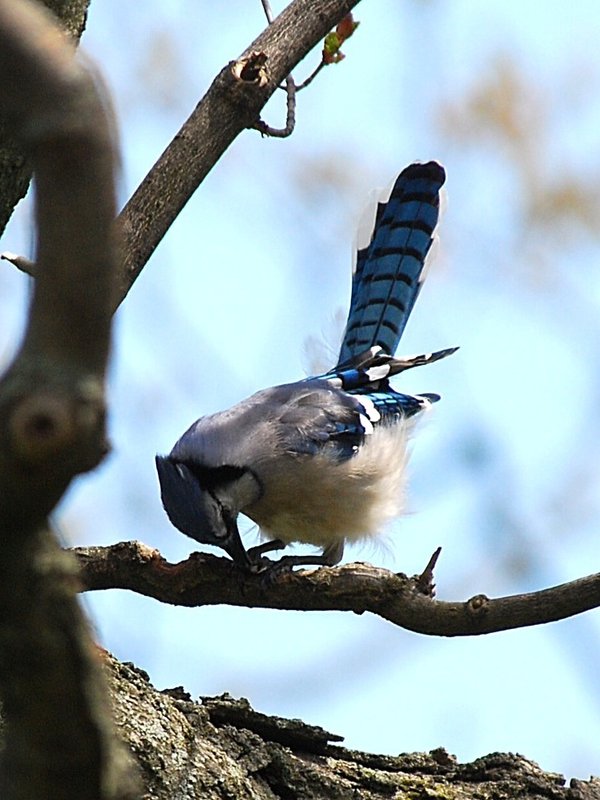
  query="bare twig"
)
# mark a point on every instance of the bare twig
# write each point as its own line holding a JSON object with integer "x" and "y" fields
{"x": 208, "y": 580}
{"x": 290, "y": 121}
{"x": 20, "y": 262}
{"x": 307, "y": 81}
{"x": 290, "y": 90}
{"x": 424, "y": 581}
{"x": 268, "y": 10}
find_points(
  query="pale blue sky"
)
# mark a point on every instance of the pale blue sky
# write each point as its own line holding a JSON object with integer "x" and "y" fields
{"x": 504, "y": 474}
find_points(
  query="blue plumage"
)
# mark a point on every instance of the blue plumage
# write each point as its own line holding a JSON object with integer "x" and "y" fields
{"x": 388, "y": 277}
{"x": 388, "y": 271}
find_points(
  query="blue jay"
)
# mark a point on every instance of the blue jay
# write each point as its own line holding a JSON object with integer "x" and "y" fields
{"x": 320, "y": 461}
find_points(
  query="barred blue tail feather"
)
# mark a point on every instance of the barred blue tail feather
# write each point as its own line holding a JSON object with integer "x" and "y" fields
{"x": 389, "y": 271}
{"x": 371, "y": 370}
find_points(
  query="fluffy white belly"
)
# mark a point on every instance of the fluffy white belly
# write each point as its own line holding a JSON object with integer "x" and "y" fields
{"x": 315, "y": 500}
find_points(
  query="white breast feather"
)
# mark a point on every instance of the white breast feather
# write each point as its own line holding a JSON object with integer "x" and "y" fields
{"x": 316, "y": 501}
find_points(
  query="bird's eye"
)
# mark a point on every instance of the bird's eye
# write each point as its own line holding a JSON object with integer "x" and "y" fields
{"x": 179, "y": 469}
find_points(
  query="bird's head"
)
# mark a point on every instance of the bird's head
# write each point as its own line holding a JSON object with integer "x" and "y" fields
{"x": 204, "y": 502}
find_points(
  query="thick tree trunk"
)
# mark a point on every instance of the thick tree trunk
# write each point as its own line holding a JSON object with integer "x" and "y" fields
{"x": 221, "y": 748}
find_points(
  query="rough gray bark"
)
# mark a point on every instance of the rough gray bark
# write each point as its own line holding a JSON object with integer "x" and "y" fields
{"x": 15, "y": 166}
{"x": 204, "y": 579}
{"x": 220, "y": 748}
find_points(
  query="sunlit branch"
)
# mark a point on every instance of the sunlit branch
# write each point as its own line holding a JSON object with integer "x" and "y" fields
{"x": 208, "y": 580}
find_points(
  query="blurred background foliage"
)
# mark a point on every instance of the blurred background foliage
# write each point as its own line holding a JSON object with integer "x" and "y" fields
{"x": 505, "y": 472}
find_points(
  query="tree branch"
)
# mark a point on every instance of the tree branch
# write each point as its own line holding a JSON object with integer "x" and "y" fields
{"x": 15, "y": 166}
{"x": 208, "y": 580}
{"x": 232, "y": 104}
{"x": 59, "y": 740}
